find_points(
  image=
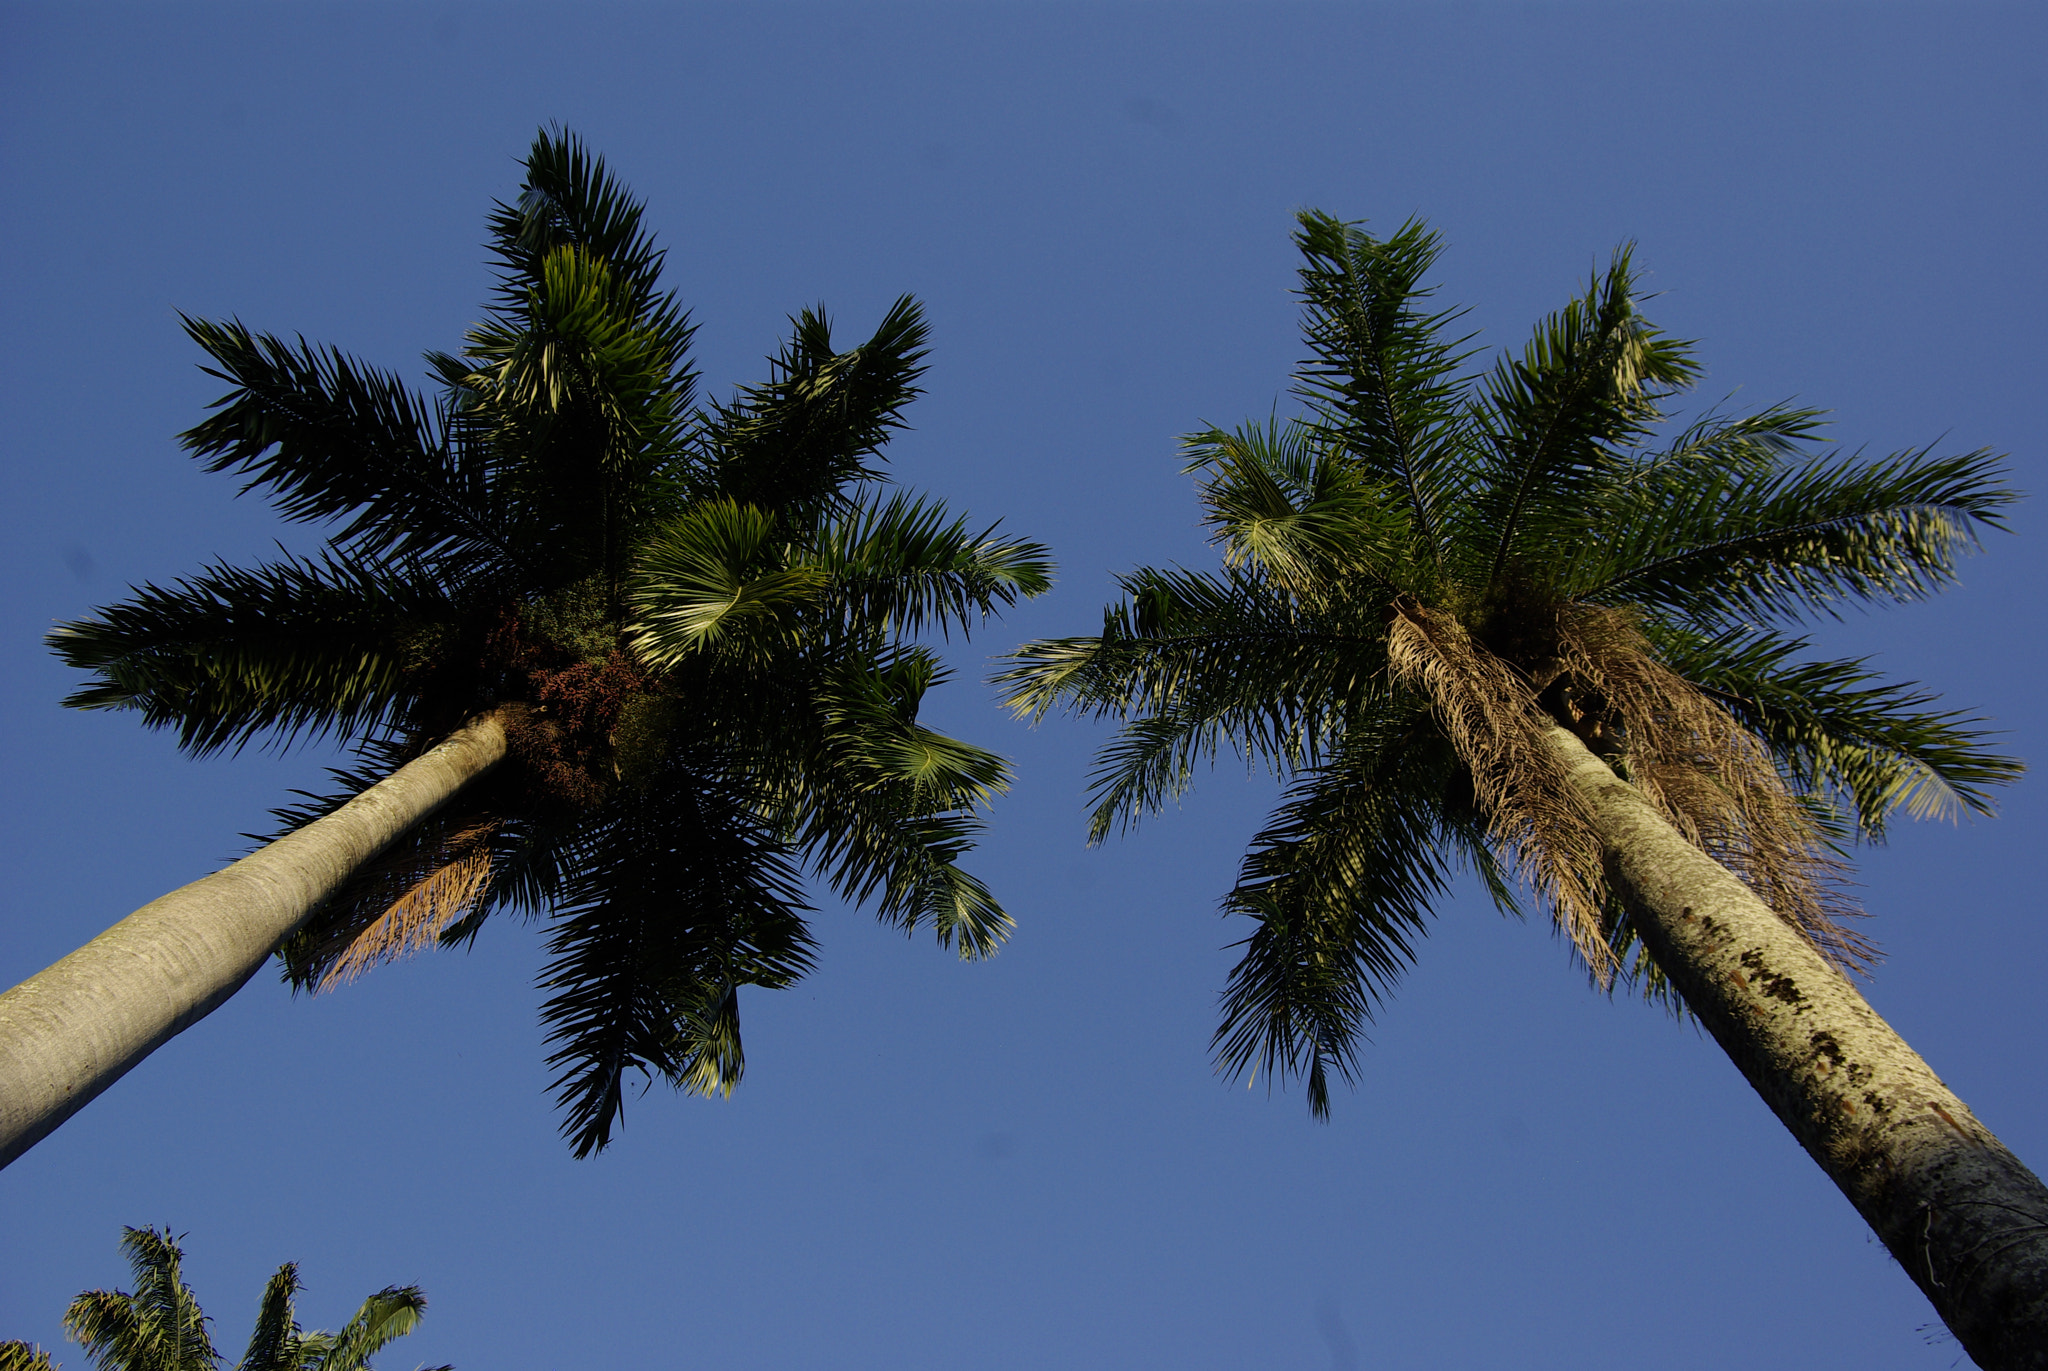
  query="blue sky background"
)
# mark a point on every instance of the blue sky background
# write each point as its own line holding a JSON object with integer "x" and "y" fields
{"x": 1025, "y": 1163}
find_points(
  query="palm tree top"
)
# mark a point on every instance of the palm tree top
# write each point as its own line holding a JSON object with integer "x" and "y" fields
{"x": 697, "y": 622}
{"x": 1433, "y": 562}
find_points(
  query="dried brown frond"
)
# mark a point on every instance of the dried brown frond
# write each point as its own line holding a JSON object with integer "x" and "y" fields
{"x": 1490, "y": 714}
{"x": 1707, "y": 774}
{"x": 398, "y": 905}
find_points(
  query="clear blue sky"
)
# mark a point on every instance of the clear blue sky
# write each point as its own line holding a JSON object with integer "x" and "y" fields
{"x": 1027, "y": 1163}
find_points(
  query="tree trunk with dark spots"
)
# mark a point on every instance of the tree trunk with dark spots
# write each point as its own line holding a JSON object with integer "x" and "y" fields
{"x": 72, "y": 1030}
{"x": 1963, "y": 1216}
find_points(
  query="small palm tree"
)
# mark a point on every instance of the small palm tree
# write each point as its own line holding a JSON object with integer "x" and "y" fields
{"x": 1489, "y": 620}
{"x": 607, "y": 656}
{"x": 160, "y": 1327}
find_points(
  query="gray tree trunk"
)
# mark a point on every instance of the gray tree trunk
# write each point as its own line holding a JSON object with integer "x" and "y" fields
{"x": 1963, "y": 1216}
{"x": 72, "y": 1030}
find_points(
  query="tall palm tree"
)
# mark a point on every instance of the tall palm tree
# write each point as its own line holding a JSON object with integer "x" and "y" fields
{"x": 1491, "y": 619}
{"x": 606, "y": 655}
{"x": 160, "y": 1327}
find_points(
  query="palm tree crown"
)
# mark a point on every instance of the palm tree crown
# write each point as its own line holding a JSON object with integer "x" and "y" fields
{"x": 695, "y": 621}
{"x": 159, "y": 1327}
{"x": 1433, "y": 565}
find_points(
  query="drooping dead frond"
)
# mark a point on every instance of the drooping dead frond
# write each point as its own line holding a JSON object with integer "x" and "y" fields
{"x": 1707, "y": 774}
{"x": 398, "y": 906}
{"x": 1491, "y": 716}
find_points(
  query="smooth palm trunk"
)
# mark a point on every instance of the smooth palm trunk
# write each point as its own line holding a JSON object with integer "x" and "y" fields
{"x": 1963, "y": 1216}
{"x": 74, "y": 1029}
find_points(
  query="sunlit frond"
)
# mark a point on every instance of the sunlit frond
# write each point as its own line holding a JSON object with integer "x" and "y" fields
{"x": 1717, "y": 546}
{"x": 1842, "y": 733}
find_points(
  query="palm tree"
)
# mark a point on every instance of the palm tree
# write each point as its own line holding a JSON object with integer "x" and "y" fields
{"x": 160, "y": 1326}
{"x": 606, "y": 655}
{"x": 1489, "y": 620}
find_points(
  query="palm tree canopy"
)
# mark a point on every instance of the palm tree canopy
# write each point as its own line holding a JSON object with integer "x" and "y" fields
{"x": 1434, "y": 562}
{"x": 697, "y": 621}
{"x": 160, "y": 1327}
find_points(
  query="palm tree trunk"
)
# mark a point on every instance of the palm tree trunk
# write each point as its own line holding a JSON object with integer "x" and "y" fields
{"x": 75, "y": 1028}
{"x": 1963, "y": 1216}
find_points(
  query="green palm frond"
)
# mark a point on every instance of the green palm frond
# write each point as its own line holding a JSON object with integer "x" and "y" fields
{"x": 333, "y": 439}
{"x": 902, "y": 566}
{"x": 795, "y": 443}
{"x": 275, "y": 1344}
{"x": 22, "y": 1356}
{"x": 290, "y": 648}
{"x": 1225, "y": 646}
{"x": 1382, "y": 377}
{"x": 384, "y": 1317}
{"x": 1873, "y": 747}
{"x": 1791, "y": 544}
{"x": 1587, "y": 385}
{"x": 571, "y": 199}
{"x": 713, "y": 579}
{"x": 1301, "y": 510}
{"x": 1341, "y": 884}
{"x": 680, "y": 896}
{"x": 157, "y": 1328}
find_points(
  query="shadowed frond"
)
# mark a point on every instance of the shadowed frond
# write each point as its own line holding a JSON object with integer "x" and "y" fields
{"x": 289, "y": 648}
{"x": 681, "y": 897}
{"x": 333, "y": 439}
{"x": 1341, "y": 882}
{"x": 793, "y": 444}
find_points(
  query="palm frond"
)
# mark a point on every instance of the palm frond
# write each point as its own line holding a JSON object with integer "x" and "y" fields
{"x": 902, "y": 566}
{"x": 274, "y": 1343}
{"x": 384, "y": 1317}
{"x": 22, "y": 1356}
{"x": 570, "y": 199}
{"x": 1341, "y": 883}
{"x": 1228, "y": 638}
{"x": 333, "y": 439}
{"x": 1868, "y": 746}
{"x": 1587, "y": 385}
{"x": 885, "y": 807}
{"x": 1292, "y": 505}
{"x": 1731, "y": 544}
{"x": 679, "y": 898}
{"x": 1382, "y": 377}
{"x": 713, "y": 579}
{"x": 290, "y": 648}
{"x": 793, "y": 444}
{"x": 159, "y": 1327}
